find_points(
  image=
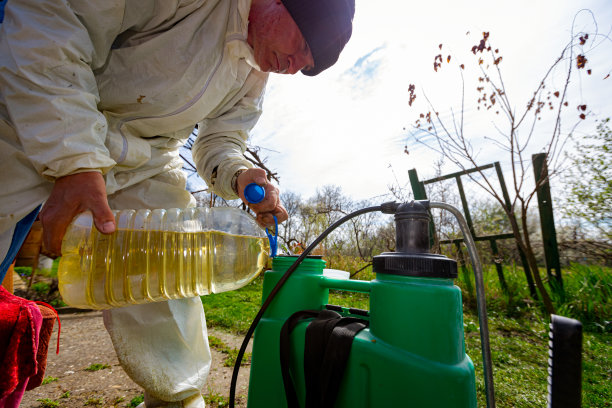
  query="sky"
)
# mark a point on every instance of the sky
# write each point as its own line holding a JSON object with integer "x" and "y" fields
{"x": 348, "y": 126}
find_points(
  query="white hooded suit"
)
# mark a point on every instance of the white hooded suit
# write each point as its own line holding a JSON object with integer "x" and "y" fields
{"x": 117, "y": 86}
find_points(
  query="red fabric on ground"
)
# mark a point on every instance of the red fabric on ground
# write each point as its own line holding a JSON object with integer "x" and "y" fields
{"x": 49, "y": 315}
{"x": 20, "y": 323}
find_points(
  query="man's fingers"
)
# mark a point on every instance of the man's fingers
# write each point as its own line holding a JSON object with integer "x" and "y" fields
{"x": 103, "y": 218}
{"x": 281, "y": 214}
{"x": 265, "y": 220}
{"x": 54, "y": 228}
{"x": 72, "y": 195}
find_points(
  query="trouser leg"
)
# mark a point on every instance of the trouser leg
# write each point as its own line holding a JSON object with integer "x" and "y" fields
{"x": 163, "y": 347}
{"x": 12, "y": 239}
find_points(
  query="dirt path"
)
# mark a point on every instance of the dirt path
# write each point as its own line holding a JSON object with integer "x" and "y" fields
{"x": 84, "y": 341}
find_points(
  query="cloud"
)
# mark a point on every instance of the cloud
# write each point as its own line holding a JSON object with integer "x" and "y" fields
{"x": 366, "y": 68}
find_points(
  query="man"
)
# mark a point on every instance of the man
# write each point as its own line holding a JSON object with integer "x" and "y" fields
{"x": 95, "y": 100}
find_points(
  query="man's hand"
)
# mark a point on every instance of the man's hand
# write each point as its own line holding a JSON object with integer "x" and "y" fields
{"x": 270, "y": 206}
{"x": 72, "y": 195}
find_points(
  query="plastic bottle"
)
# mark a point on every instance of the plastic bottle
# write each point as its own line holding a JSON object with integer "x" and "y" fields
{"x": 160, "y": 254}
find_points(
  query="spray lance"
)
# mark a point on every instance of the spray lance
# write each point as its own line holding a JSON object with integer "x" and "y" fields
{"x": 412, "y": 254}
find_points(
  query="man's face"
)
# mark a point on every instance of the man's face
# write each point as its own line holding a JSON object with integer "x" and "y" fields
{"x": 276, "y": 40}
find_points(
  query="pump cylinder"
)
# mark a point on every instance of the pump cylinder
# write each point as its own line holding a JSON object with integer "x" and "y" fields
{"x": 412, "y": 228}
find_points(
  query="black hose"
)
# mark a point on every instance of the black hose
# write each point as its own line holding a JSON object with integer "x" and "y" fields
{"x": 278, "y": 286}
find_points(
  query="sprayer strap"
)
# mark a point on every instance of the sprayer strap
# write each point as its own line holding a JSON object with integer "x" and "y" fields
{"x": 329, "y": 338}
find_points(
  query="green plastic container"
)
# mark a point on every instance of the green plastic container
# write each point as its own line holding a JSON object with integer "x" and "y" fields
{"x": 412, "y": 355}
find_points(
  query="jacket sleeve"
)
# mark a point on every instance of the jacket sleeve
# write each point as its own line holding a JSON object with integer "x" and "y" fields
{"x": 221, "y": 141}
{"x": 48, "y": 50}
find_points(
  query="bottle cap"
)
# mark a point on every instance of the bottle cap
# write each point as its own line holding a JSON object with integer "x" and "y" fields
{"x": 254, "y": 193}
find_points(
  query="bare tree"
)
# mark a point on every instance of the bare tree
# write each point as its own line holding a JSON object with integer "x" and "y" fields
{"x": 515, "y": 134}
{"x": 289, "y": 231}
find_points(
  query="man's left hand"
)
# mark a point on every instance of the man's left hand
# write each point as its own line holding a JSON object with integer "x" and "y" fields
{"x": 270, "y": 206}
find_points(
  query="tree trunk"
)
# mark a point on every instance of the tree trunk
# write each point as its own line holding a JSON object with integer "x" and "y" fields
{"x": 524, "y": 243}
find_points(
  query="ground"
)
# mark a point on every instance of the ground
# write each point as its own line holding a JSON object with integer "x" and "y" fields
{"x": 84, "y": 342}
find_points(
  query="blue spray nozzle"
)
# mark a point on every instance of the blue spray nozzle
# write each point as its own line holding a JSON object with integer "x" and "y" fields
{"x": 254, "y": 193}
{"x": 273, "y": 238}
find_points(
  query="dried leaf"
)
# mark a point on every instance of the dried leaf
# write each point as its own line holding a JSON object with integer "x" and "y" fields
{"x": 582, "y": 116}
{"x": 556, "y": 94}
{"x": 463, "y": 67}
{"x": 440, "y": 46}
{"x": 411, "y": 95}
{"x": 449, "y": 58}
{"x": 581, "y": 61}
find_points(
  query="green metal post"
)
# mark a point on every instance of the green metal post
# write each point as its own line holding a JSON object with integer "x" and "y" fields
{"x": 498, "y": 266}
{"x": 464, "y": 271}
{"x": 466, "y": 210}
{"x": 418, "y": 190}
{"x": 547, "y": 222}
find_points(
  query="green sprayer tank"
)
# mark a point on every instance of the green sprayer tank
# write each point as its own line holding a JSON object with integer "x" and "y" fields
{"x": 413, "y": 352}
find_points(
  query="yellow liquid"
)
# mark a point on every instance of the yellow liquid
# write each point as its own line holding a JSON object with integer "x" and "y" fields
{"x": 136, "y": 266}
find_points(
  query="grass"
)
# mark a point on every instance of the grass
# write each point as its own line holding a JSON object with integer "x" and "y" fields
{"x": 97, "y": 367}
{"x": 234, "y": 310}
{"x": 94, "y": 401}
{"x": 231, "y": 353}
{"x": 518, "y": 330}
{"x": 40, "y": 287}
{"x": 48, "y": 380}
{"x": 587, "y": 295}
{"x": 48, "y": 403}
{"x": 214, "y": 399}
{"x": 134, "y": 402}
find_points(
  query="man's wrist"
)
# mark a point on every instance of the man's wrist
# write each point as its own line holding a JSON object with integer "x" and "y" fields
{"x": 235, "y": 180}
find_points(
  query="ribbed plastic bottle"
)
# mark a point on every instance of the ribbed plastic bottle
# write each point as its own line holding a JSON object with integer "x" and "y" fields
{"x": 158, "y": 255}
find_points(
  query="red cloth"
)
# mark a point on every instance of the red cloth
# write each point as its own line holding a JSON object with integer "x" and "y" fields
{"x": 20, "y": 323}
{"x": 48, "y": 315}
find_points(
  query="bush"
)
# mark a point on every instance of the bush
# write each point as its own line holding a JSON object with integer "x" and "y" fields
{"x": 41, "y": 287}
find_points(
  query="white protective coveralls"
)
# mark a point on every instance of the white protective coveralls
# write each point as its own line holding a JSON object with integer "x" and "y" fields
{"x": 116, "y": 86}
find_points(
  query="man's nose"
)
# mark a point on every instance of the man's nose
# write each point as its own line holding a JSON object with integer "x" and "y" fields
{"x": 297, "y": 62}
